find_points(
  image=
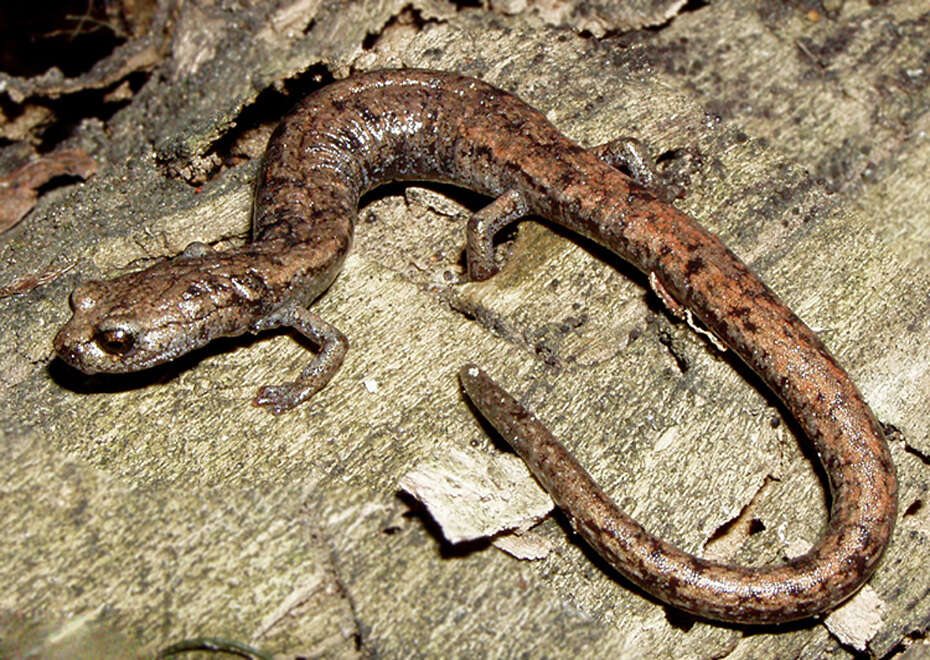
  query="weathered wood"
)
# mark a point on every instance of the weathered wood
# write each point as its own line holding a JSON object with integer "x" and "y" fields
{"x": 149, "y": 509}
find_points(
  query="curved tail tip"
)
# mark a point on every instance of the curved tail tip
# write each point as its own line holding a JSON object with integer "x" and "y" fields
{"x": 470, "y": 372}
{"x": 473, "y": 380}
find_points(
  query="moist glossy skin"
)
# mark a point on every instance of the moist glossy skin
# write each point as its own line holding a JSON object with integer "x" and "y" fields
{"x": 358, "y": 133}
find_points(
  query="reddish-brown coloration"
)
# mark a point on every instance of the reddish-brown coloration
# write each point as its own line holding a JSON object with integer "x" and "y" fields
{"x": 19, "y": 190}
{"x": 356, "y": 134}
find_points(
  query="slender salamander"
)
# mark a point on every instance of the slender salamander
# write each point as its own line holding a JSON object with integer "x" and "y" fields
{"x": 354, "y": 135}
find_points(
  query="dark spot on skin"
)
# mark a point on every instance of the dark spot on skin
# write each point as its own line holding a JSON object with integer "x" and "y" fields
{"x": 859, "y": 561}
{"x": 694, "y": 266}
{"x": 566, "y": 179}
{"x": 195, "y": 290}
{"x": 369, "y": 117}
{"x": 885, "y": 462}
{"x": 696, "y": 565}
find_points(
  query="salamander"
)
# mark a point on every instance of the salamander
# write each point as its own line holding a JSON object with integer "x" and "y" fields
{"x": 358, "y": 133}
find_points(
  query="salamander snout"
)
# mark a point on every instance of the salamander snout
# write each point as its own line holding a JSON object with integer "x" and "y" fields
{"x": 99, "y": 336}
{"x": 95, "y": 349}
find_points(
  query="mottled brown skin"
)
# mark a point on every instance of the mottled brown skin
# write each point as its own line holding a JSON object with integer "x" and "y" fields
{"x": 358, "y": 133}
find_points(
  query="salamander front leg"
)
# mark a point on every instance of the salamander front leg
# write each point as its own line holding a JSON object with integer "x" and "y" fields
{"x": 332, "y": 346}
{"x": 631, "y": 155}
{"x": 484, "y": 226}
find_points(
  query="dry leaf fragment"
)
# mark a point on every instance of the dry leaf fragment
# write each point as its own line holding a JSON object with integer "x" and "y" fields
{"x": 19, "y": 190}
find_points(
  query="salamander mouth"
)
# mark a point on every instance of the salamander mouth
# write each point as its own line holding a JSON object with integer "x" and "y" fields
{"x": 75, "y": 355}
{"x": 86, "y": 355}
{"x": 67, "y": 350}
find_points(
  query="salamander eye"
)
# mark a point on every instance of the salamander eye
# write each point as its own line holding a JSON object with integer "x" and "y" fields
{"x": 117, "y": 341}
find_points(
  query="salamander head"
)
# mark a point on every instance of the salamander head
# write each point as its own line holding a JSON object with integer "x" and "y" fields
{"x": 147, "y": 318}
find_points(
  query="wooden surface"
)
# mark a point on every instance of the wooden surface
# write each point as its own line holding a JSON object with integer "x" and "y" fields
{"x": 140, "y": 511}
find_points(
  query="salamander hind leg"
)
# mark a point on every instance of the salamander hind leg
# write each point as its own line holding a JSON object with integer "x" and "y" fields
{"x": 484, "y": 226}
{"x": 332, "y": 346}
{"x": 631, "y": 156}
